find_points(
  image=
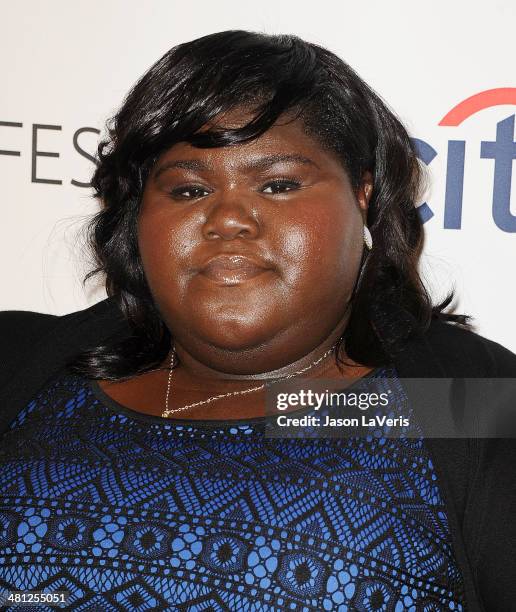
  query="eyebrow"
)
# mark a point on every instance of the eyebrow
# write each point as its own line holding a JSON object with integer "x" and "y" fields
{"x": 261, "y": 163}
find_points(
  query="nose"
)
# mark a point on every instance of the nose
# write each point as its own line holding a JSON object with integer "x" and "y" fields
{"x": 230, "y": 217}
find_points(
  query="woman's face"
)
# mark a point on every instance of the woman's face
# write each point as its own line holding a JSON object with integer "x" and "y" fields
{"x": 251, "y": 251}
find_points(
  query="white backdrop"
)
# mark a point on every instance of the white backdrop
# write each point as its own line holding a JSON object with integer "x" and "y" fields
{"x": 67, "y": 65}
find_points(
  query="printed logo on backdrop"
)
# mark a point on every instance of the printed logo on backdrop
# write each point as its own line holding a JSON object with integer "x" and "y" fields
{"x": 501, "y": 150}
{"x": 36, "y": 152}
{"x": 498, "y": 148}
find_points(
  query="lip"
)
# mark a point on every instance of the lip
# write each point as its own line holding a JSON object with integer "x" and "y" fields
{"x": 233, "y": 269}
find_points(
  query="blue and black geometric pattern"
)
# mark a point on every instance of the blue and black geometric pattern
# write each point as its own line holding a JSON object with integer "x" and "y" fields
{"x": 126, "y": 511}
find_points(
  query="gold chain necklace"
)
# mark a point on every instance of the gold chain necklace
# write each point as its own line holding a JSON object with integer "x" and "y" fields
{"x": 168, "y": 411}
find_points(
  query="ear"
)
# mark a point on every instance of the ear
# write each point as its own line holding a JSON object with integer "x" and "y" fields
{"x": 364, "y": 192}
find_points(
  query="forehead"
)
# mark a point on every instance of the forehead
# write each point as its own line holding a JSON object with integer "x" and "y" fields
{"x": 288, "y": 137}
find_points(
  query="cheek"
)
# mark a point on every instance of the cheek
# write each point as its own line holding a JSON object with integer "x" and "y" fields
{"x": 324, "y": 249}
{"x": 165, "y": 247}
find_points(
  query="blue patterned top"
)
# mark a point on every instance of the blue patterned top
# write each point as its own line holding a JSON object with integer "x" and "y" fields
{"x": 126, "y": 511}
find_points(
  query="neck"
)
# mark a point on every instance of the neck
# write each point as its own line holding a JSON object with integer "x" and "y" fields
{"x": 315, "y": 359}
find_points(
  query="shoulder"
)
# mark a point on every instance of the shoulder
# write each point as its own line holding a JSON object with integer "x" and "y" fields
{"x": 22, "y": 326}
{"x": 23, "y": 333}
{"x": 463, "y": 352}
{"x": 19, "y": 328}
{"x": 477, "y": 474}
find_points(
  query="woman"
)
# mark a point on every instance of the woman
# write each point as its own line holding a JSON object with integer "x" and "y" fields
{"x": 257, "y": 223}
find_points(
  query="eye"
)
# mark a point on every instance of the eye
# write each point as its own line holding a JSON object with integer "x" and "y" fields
{"x": 280, "y": 186}
{"x": 189, "y": 192}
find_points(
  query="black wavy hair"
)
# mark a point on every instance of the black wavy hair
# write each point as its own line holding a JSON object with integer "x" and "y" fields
{"x": 275, "y": 76}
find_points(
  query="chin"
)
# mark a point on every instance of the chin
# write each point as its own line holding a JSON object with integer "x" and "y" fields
{"x": 235, "y": 339}
{"x": 234, "y": 335}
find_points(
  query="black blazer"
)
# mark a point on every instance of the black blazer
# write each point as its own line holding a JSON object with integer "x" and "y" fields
{"x": 477, "y": 476}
